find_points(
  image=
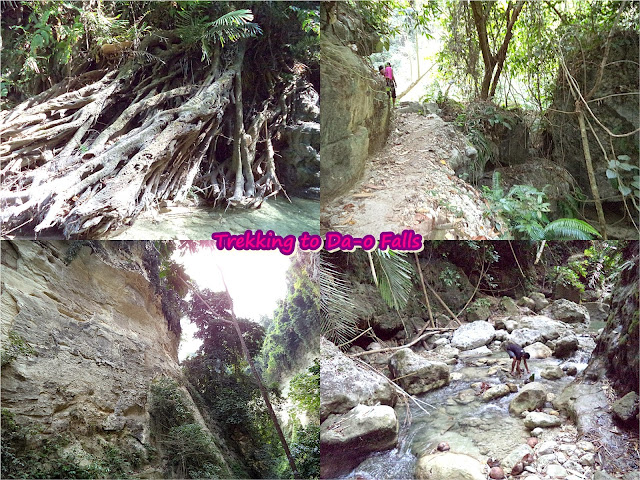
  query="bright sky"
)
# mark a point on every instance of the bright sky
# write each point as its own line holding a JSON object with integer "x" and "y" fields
{"x": 256, "y": 281}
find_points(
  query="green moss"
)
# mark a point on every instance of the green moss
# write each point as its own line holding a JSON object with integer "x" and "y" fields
{"x": 13, "y": 348}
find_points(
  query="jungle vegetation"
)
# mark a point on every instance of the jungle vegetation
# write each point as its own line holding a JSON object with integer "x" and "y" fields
{"x": 110, "y": 107}
{"x": 506, "y": 63}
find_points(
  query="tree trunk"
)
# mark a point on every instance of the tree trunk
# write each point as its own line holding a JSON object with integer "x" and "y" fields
{"x": 263, "y": 390}
{"x": 92, "y": 152}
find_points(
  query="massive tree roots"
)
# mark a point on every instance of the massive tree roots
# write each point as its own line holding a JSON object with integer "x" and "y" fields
{"x": 92, "y": 152}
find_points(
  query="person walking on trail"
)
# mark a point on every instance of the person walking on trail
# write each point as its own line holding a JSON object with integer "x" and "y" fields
{"x": 391, "y": 83}
{"x": 517, "y": 353}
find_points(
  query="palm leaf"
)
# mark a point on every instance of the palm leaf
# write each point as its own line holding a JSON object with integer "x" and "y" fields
{"x": 569, "y": 229}
{"x": 338, "y": 313}
{"x": 395, "y": 276}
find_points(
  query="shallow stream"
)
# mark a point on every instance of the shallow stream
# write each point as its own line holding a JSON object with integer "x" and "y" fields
{"x": 198, "y": 223}
{"x": 458, "y": 415}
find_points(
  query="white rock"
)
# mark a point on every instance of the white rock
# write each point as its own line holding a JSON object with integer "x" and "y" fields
{"x": 473, "y": 335}
{"x": 546, "y": 448}
{"x": 586, "y": 446}
{"x": 544, "y": 460}
{"x": 588, "y": 459}
{"x": 536, "y": 432}
{"x": 556, "y": 471}
{"x": 539, "y": 419}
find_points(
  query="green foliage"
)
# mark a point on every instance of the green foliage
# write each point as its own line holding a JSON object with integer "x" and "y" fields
{"x": 449, "y": 277}
{"x": 625, "y": 177}
{"x": 395, "y": 277}
{"x": 305, "y": 390}
{"x": 568, "y": 277}
{"x": 25, "y": 454}
{"x": 524, "y": 208}
{"x": 13, "y": 347}
{"x": 339, "y": 316}
{"x": 169, "y": 406}
{"x": 196, "y": 28}
{"x": 187, "y": 449}
{"x": 305, "y": 448}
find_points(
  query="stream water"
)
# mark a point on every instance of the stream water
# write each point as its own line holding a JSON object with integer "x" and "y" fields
{"x": 458, "y": 415}
{"x": 197, "y": 223}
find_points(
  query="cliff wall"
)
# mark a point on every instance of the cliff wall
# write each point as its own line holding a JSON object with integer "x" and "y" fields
{"x": 84, "y": 337}
{"x": 356, "y": 111}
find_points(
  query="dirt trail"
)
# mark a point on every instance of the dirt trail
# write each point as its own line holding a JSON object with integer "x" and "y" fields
{"x": 409, "y": 184}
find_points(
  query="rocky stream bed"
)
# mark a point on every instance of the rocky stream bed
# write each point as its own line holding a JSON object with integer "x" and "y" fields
{"x": 469, "y": 418}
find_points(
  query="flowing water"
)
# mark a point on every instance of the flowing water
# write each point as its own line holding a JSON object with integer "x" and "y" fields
{"x": 458, "y": 415}
{"x": 198, "y": 223}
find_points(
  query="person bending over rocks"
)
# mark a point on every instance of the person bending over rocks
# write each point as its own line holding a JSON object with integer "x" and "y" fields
{"x": 517, "y": 353}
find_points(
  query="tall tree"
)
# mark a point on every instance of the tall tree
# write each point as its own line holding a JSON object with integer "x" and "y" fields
{"x": 493, "y": 63}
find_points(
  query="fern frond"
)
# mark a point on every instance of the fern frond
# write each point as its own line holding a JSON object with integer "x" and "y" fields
{"x": 338, "y": 313}
{"x": 395, "y": 274}
{"x": 569, "y": 229}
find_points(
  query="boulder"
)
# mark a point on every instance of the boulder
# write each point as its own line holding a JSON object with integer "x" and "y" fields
{"x": 564, "y": 346}
{"x": 525, "y": 336}
{"x": 552, "y": 372}
{"x": 496, "y": 392}
{"x": 530, "y": 397}
{"x": 538, "y": 350}
{"x": 567, "y": 311}
{"x": 626, "y": 408}
{"x": 473, "y": 335}
{"x": 448, "y": 466}
{"x": 515, "y": 456}
{"x": 476, "y": 352}
{"x": 509, "y": 306}
{"x": 345, "y": 439}
{"x": 478, "y": 311}
{"x": 417, "y": 374}
{"x": 542, "y": 420}
{"x": 550, "y": 329}
{"x": 540, "y": 301}
{"x": 527, "y": 303}
{"x": 345, "y": 385}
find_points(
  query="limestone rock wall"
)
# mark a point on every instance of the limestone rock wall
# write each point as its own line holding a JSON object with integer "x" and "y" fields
{"x": 617, "y": 110}
{"x": 355, "y": 108}
{"x": 97, "y": 338}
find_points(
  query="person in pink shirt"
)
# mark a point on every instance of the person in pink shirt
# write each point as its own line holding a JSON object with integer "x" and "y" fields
{"x": 391, "y": 83}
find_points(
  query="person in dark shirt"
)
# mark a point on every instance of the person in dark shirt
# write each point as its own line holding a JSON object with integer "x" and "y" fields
{"x": 517, "y": 353}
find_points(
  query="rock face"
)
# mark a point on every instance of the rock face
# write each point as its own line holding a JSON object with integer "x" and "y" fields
{"x": 345, "y": 385}
{"x": 356, "y": 110}
{"x": 300, "y": 164}
{"x": 416, "y": 374}
{"x": 567, "y": 311}
{"x": 530, "y": 397}
{"x": 564, "y": 138}
{"x": 346, "y": 439}
{"x": 473, "y": 335}
{"x": 97, "y": 335}
{"x": 447, "y": 466}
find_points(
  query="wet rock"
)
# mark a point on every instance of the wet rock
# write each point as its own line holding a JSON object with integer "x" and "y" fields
{"x": 626, "y": 408}
{"x": 527, "y": 303}
{"x": 542, "y": 420}
{"x": 345, "y": 385}
{"x": 447, "y": 466}
{"x": 549, "y": 328}
{"x": 515, "y": 456}
{"x": 538, "y": 350}
{"x": 539, "y": 300}
{"x": 416, "y": 374}
{"x": 565, "y": 346}
{"x": 556, "y": 471}
{"x": 509, "y": 306}
{"x": 496, "y": 473}
{"x": 572, "y": 370}
{"x": 536, "y": 432}
{"x": 525, "y": 336}
{"x": 473, "y": 335}
{"x": 530, "y": 397}
{"x": 552, "y": 372}
{"x": 496, "y": 392}
{"x": 476, "y": 352}
{"x": 567, "y": 311}
{"x": 465, "y": 396}
{"x": 598, "y": 311}
{"x": 345, "y": 439}
{"x": 443, "y": 447}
